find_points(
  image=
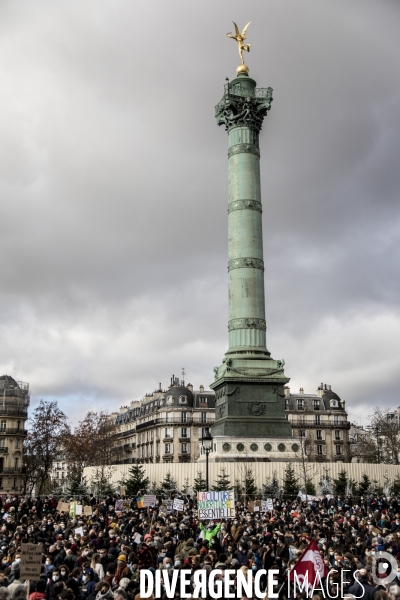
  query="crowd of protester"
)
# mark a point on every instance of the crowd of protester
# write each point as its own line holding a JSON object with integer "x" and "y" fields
{"x": 103, "y": 560}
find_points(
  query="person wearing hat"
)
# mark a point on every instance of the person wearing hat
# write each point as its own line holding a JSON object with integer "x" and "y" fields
{"x": 122, "y": 569}
{"x": 145, "y": 555}
{"x": 88, "y": 583}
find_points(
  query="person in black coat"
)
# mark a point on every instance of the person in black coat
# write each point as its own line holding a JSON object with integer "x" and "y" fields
{"x": 73, "y": 582}
{"x": 361, "y": 588}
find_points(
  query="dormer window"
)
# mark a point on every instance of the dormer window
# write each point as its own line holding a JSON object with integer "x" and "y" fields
{"x": 300, "y": 404}
{"x": 170, "y": 399}
{"x": 317, "y": 405}
{"x": 182, "y": 400}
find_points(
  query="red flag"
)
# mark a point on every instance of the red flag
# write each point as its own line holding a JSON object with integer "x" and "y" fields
{"x": 309, "y": 564}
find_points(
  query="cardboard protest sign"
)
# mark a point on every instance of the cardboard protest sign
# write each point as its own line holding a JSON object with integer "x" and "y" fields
{"x": 87, "y": 510}
{"x": 122, "y": 490}
{"x": 59, "y": 505}
{"x": 31, "y": 561}
{"x": 267, "y": 505}
{"x": 65, "y": 507}
{"x": 254, "y": 506}
{"x": 149, "y": 500}
{"x": 178, "y": 505}
{"x": 216, "y": 505}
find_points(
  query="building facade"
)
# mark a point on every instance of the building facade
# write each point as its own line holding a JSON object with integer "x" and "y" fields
{"x": 14, "y": 402}
{"x": 319, "y": 422}
{"x": 60, "y": 470}
{"x": 165, "y": 426}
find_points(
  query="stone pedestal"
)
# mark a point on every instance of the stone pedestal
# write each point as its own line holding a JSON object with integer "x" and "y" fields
{"x": 259, "y": 449}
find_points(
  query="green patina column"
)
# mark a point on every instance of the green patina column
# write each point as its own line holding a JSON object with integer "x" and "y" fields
{"x": 249, "y": 383}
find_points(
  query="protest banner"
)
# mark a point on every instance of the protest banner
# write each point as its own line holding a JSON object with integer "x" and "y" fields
{"x": 118, "y": 505}
{"x": 170, "y": 505}
{"x": 78, "y": 509}
{"x": 78, "y": 531}
{"x": 87, "y": 510}
{"x": 216, "y": 505}
{"x": 149, "y": 500}
{"x": 178, "y": 504}
{"x": 31, "y": 561}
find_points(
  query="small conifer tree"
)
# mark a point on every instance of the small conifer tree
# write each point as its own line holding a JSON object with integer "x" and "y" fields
{"x": 341, "y": 483}
{"x": 223, "y": 482}
{"x": 199, "y": 483}
{"x": 290, "y": 483}
{"x": 136, "y": 481}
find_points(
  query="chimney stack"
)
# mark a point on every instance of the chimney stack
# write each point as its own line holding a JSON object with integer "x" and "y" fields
{"x": 202, "y": 388}
{"x": 301, "y": 391}
{"x": 286, "y": 389}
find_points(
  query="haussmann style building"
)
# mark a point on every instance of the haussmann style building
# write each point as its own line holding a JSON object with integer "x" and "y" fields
{"x": 166, "y": 425}
{"x": 14, "y": 402}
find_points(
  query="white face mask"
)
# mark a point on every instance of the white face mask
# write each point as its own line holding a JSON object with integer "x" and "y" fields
{"x": 55, "y": 578}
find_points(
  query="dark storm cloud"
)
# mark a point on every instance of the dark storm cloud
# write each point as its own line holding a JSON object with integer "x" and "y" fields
{"x": 113, "y": 183}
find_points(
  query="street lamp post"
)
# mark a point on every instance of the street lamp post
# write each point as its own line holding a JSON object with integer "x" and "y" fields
{"x": 206, "y": 443}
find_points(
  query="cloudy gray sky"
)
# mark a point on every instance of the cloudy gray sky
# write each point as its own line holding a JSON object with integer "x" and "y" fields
{"x": 113, "y": 193}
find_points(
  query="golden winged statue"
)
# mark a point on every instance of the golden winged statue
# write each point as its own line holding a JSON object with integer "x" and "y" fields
{"x": 240, "y": 37}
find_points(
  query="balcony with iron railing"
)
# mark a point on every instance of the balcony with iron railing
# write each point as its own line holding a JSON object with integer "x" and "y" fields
{"x": 343, "y": 424}
{"x": 10, "y": 470}
{"x": 236, "y": 89}
{"x": 13, "y": 431}
{"x": 189, "y": 420}
{"x": 13, "y": 411}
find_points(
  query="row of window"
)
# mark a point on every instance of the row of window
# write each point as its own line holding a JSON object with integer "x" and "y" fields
{"x": 151, "y": 406}
{"x": 318, "y": 420}
{"x": 14, "y": 485}
{"x": 147, "y": 451}
{"x": 320, "y": 450}
{"x": 300, "y": 404}
{"x": 320, "y": 434}
{"x": 3, "y": 443}
{"x": 3, "y": 425}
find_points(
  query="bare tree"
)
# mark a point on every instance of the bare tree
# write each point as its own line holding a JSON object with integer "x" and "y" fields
{"x": 48, "y": 427}
{"x": 93, "y": 443}
{"x": 305, "y": 456}
{"x": 381, "y": 445}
